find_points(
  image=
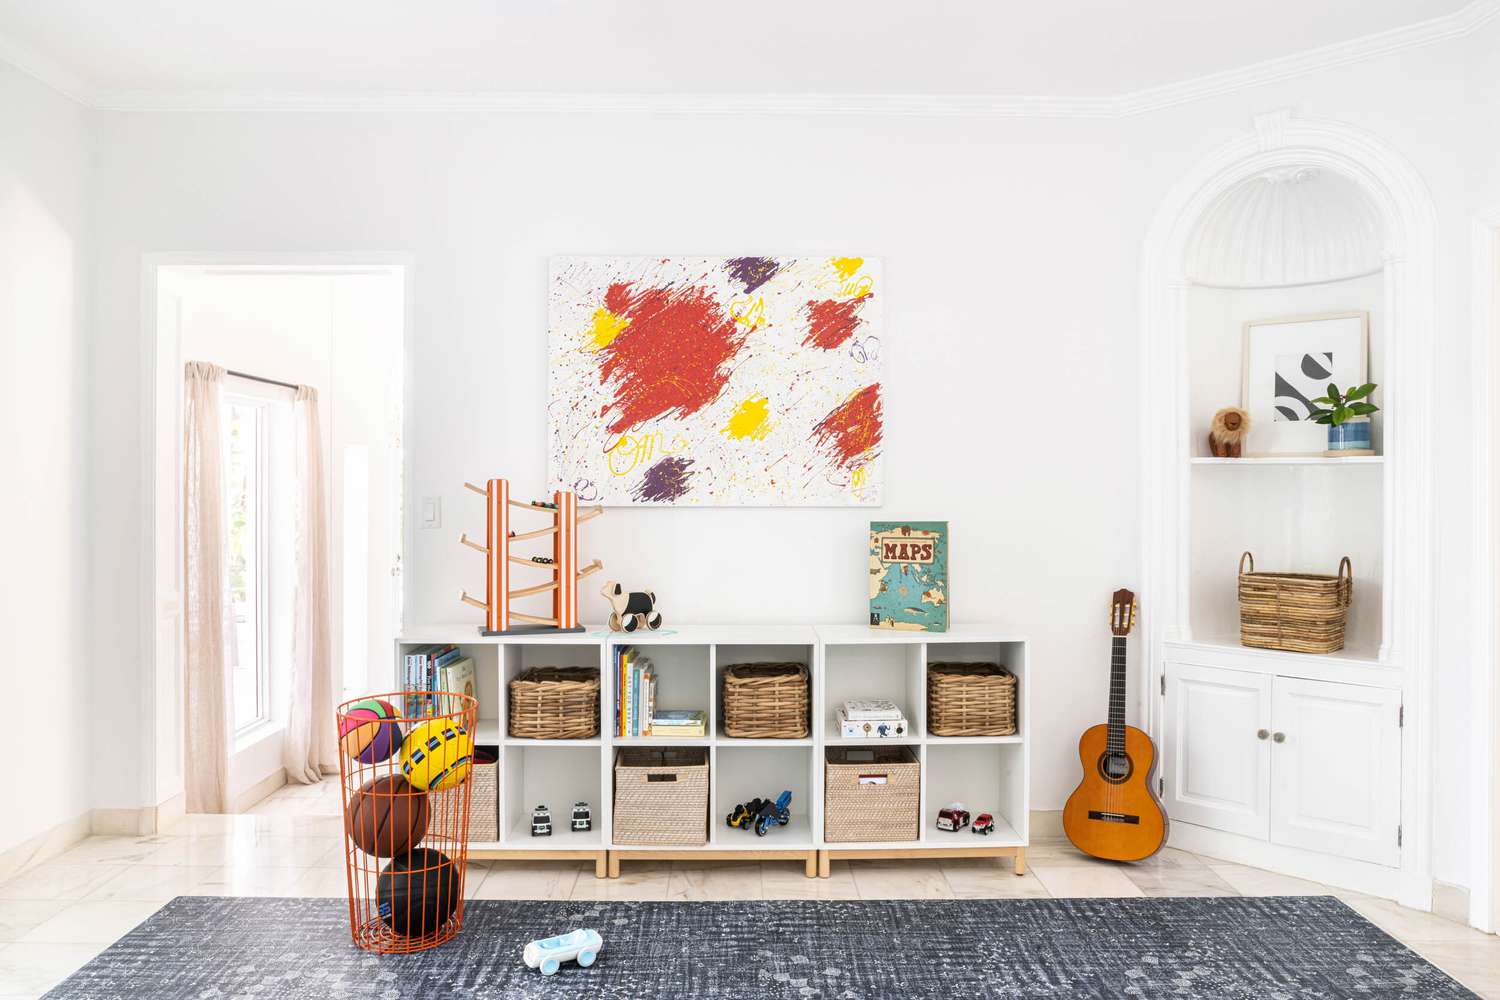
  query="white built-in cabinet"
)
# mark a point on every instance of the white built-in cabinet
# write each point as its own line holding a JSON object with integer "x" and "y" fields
{"x": 1295, "y": 762}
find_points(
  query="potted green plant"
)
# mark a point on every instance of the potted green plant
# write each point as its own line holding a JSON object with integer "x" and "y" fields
{"x": 1347, "y": 415}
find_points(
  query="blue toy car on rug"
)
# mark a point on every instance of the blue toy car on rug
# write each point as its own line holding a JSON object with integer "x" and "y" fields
{"x": 548, "y": 954}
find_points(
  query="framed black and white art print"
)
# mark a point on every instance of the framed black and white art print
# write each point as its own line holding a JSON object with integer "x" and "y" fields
{"x": 1287, "y": 364}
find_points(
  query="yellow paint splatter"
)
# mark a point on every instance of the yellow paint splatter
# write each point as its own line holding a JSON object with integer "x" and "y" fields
{"x": 751, "y": 420}
{"x": 846, "y": 266}
{"x": 605, "y": 328}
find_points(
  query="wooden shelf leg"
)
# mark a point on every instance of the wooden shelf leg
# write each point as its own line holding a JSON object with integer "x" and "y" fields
{"x": 614, "y": 865}
{"x": 825, "y": 865}
{"x": 811, "y": 868}
{"x": 601, "y": 865}
{"x": 1020, "y": 861}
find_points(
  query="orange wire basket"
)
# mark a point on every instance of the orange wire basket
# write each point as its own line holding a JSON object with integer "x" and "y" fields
{"x": 405, "y": 761}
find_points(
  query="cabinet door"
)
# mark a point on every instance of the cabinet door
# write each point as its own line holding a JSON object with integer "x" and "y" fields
{"x": 1336, "y": 769}
{"x": 1216, "y": 766}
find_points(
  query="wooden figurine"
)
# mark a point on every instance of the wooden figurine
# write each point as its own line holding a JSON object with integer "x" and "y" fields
{"x": 499, "y": 619}
{"x": 1227, "y": 434}
{"x": 629, "y": 610}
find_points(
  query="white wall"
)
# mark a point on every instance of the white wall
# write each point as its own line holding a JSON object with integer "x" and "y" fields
{"x": 44, "y": 438}
{"x": 1011, "y": 250}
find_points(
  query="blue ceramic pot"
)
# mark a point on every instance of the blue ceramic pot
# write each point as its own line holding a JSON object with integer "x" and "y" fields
{"x": 1351, "y": 435}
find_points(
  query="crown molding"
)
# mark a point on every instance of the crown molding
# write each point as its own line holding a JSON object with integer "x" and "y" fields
{"x": 45, "y": 71}
{"x": 1448, "y": 26}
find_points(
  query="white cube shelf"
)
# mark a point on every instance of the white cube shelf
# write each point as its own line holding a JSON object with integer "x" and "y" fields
{"x": 987, "y": 773}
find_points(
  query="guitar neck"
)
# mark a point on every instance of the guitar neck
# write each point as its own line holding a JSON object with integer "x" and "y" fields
{"x": 1117, "y": 695}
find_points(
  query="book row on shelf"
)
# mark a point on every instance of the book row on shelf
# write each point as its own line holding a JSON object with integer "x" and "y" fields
{"x": 434, "y": 668}
{"x": 636, "y": 713}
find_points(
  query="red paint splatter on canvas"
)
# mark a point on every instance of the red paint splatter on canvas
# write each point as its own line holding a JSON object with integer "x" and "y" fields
{"x": 832, "y": 321}
{"x": 673, "y": 358}
{"x": 852, "y": 431}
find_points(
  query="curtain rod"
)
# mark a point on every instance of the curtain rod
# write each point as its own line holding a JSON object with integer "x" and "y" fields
{"x": 259, "y": 378}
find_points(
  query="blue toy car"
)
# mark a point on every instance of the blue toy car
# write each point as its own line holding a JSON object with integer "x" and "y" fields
{"x": 777, "y": 813}
{"x": 548, "y": 954}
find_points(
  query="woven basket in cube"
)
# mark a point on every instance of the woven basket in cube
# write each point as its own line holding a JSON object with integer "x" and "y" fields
{"x": 1296, "y": 612}
{"x": 555, "y": 703}
{"x": 870, "y": 794}
{"x": 766, "y": 701}
{"x": 661, "y": 796}
{"x": 970, "y": 699}
{"x": 484, "y": 797}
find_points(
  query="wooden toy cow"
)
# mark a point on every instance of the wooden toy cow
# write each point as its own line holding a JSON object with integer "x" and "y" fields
{"x": 630, "y": 609}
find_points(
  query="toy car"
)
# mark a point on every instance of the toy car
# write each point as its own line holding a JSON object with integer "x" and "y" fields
{"x": 541, "y": 822}
{"x": 778, "y": 813}
{"x": 953, "y": 817}
{"x": 548, "y": 954}
{"x": 583, "y": 817}
{"x": 744, "y": 814}
{"x": 984, "y": 823}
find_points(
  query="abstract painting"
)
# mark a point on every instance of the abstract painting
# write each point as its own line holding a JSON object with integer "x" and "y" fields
{"x": 1287, "y": 364}
{"x": 716, "y": 381}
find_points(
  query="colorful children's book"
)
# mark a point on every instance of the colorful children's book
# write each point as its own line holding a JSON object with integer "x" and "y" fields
{"x": 679, "y": 722}
{"x": 458, "y": 677}
{"x": 909, "y": 575}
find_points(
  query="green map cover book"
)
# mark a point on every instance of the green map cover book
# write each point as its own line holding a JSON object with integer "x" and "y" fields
{"x": 909, "y": 575}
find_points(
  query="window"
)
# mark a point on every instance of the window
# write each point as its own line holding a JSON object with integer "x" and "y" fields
{"x": 249, "y": 524}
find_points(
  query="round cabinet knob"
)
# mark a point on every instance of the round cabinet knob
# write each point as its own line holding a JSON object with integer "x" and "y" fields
{"x": 1279, "y": 737}
{"x": 1262, "y": 734}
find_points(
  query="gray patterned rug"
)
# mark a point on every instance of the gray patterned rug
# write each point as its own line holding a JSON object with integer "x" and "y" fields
{"x": 1279, "y": 948}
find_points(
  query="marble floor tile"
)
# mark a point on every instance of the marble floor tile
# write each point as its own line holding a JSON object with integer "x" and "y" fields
{"x": 111, "y": 850}
{"x": 1178, "y": 881}
{"x": 251, "y": 881}
{"x": 17, "y": 916}
{"x": 59, "y": 881}
{"x": 530, "y": 879}
{"x": 900, "y": 880}
{"x": 981, "y": 878}
{"x": 639, "y": 880}
{"x": 1475, "y": 964}
{"x": 692, "y": 882}
{"x": 1413, "y": 925}
{"x": 1063, "y": 853}
{"x": 37, "y": 967}
{"x": 1256, "y": 882}
{"x": 1081, "y": 880}
{"x": 96, "y": 921}
{"x": 787, "y": 880}
{"x": 148, "y": 882}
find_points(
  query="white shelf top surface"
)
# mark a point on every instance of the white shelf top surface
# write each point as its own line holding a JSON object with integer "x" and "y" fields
{"x": 846, "y": 635}
{"x": 467, "y": 633}
{"x": 717, "y": 635}
{"x": 1290, "y": 460}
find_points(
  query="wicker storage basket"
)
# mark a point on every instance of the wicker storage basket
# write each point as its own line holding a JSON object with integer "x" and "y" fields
{"x": 1295, "y": 612}
{"x": 970, "y": 699}
{"x": 661, "y": 796}
{"x": 766, "y": 701}
{"x": 484, "y": 802}
{"x": 555, "y": 703}
{"x": 870, "y": 794}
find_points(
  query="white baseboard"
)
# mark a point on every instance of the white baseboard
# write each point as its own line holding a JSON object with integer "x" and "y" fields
{"x": 258, "y": 791}
{"x": 1451, "y": 902}
{"x": 44, "y": 846}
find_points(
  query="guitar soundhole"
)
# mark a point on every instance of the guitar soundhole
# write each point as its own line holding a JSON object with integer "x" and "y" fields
{"x": 1115, "y": 768}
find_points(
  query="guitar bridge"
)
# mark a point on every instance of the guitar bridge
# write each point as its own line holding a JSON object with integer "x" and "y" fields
{"x": 1114, "y": 817}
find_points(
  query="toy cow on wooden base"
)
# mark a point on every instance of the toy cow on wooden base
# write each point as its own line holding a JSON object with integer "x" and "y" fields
{"x": 631, "y": 609}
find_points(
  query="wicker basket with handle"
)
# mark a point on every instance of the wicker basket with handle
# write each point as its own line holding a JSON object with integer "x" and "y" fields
{"x": 555, "y": 703}
{"x": 1294, "y": 612}
{"x": 870, "y": 794}
{"x": 766, "y": 701}
{"x": 661, "y": 796}
{"x": 971, "y": 699}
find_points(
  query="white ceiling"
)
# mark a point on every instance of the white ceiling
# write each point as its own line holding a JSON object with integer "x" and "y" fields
{"x": 1059, "y": 48}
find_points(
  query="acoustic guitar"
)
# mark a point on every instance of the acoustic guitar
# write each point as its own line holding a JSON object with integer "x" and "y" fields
{"x": 1114, "y": 813}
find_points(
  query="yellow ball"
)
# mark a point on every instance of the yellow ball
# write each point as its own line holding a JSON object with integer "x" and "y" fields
{"x": 437, "y": 755}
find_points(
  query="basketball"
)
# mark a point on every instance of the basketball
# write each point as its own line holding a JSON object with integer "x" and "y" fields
{"x": 368, "y": 732}
{"x": 387, "y": 816}
{"x": 417, "y": 893}
{"x": 437, "y": 755}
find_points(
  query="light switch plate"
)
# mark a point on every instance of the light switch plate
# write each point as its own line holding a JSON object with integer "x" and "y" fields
{"x": 432, "y": 512}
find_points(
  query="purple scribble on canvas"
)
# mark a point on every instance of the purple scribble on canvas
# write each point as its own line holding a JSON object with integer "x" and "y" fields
{"x": 751, "y": 272}
{"x": 664, "y": 482}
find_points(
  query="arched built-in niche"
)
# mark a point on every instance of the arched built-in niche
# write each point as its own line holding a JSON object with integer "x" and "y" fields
{"x": 1298, "y": 208}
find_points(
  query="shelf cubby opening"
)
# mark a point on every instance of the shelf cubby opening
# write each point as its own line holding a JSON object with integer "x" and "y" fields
{"x": 726, "y": 656}
{"x": 743, "y": 773}
{"x": 682, "y": 684}
{"x": 986, "y": 778}
{"x": 865, "y": 671}
{"x": 555, "y": 776}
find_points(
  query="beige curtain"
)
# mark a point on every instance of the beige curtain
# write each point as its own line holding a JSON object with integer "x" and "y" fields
{"x": 310, "y": 727}
{"x": 206, "y": 725}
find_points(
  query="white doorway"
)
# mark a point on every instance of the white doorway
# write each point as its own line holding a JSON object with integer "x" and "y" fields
{"x": 338, "y": 325}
